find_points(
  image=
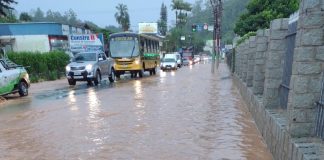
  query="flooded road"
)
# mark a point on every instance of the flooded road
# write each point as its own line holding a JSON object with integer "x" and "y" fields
{"x": 182, "y": 115}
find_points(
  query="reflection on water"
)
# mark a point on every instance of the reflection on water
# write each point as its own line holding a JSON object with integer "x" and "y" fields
{"x": 139, "y": 107}
{"x": 94, "y": 105}
{"x": 187, "y": 114}
{"x": 72, "y": 101}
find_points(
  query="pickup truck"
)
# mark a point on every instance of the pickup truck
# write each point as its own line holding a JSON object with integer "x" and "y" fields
{"x": 13, "y": 79}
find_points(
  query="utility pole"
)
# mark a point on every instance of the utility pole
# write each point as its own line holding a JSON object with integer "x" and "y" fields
{"x": 217, "y": 6}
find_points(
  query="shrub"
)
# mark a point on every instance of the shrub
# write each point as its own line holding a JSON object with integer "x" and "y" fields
{"x": 245, "y": 37}
{"x": 41, "y": 66}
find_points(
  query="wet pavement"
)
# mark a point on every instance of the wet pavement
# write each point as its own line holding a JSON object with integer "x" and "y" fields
{"x": 177, "y": 115}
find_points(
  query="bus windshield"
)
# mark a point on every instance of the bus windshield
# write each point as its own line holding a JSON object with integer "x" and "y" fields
{"x": 124, "y": 47}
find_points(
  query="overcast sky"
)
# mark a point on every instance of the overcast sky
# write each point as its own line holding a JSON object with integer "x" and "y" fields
{"x": 101, "y": 12}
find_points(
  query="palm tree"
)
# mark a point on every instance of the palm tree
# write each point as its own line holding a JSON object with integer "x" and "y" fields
{"x": 180, "y": 7}
{"x": 122, "y": 16}
{"x": 5, "y": 5}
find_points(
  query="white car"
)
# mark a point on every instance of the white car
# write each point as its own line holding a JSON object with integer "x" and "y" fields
{"x": 169, "y": 64}
{"x": 90, "y": 66}
{"x": 175, "y": 55}
{"x": 13, "y": 79}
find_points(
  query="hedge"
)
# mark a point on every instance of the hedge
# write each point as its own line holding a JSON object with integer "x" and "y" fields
{"x": 41, "y": 66}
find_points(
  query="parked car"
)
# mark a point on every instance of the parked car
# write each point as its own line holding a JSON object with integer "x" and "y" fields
{"x": 13, "y": 79}
{"x": 90, "y": 66}
{"x": 169, "y": 64}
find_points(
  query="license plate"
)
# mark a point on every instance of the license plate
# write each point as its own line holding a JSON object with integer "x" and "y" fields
{"x": 78, "y": 77}
{"x": 77, "y": 73}
{"x": 125, "y": 65}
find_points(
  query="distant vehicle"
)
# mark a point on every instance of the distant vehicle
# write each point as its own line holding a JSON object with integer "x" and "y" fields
{"x": 13, "y": 78}
{"x": 90, "y": 66}
{"x": 185, "y": 62}
{"x": 175, "y": 55}
{"x": 134, "y": 53}
{"x": 169, "y": 64}
{"x": 196, "y": 60}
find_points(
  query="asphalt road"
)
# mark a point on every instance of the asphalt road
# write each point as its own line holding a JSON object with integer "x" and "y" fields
{"x": 177, "y": 115}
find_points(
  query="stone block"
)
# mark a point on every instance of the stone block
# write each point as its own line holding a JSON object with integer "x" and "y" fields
{"x": 302, "y": 115}
{"x": 305, "y": 100}
{"x": 301, "y": 129}
{"x": 309, "y": 4}
{"x": 315, "y": 83}
{"x": 312, "y": 37}
{"x": 312, "y": 20}
{"x": 259, "y": 62}
{"x": 304, "y": 54}
{"x": 300, "y": 84}
{"x": 275, "y": 64}
{"x": 262, "y": 47}
{"x": 278, "y": 24}
{"x": 306, "y": 68}
{"x": 278, "y": 34}
{"x": 277, "y": 45}
{"x": 320, "y": 53}
{"x": 260, "y": 32}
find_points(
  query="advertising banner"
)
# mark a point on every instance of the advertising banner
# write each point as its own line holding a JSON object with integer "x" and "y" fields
{"x": 86, "y": 42}
{"x": 151, "y": 28}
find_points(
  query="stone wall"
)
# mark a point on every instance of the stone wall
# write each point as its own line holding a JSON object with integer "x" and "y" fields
{"x": 251, "y": 51}
{"x": 289, "y": 133}
{"x": 274, "y": 62}
{"x": 307, "y": 69}
{"x": 259, "y": 68}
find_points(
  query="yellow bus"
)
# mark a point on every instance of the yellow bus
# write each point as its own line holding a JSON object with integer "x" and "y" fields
{"x": 134, "y": 53}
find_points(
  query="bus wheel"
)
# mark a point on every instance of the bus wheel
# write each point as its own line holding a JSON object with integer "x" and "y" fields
{"x": 141, "y": 73}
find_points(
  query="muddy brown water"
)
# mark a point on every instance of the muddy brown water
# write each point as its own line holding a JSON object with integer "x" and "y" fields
{"x": 177, "y": 115}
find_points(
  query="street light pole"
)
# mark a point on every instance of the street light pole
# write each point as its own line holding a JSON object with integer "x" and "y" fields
{"x": 217, "y": 11}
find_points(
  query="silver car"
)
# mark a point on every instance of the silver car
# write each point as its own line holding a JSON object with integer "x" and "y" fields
{"x": 90, "y": 66}
{"x": 169, "y": 64}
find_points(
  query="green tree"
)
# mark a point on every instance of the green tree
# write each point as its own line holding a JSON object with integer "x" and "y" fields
{"x": 38, "y": 15}
{"x": 181, "y": 8}
{"x": 6, "y": 5}
{"x": 163, "y": 22}
{"x": 122, "y": 16}
{"x": 261, "y": 12}
{"x": 25, "y": 17}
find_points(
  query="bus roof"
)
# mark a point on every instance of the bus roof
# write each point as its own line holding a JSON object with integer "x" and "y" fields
{"x": 131, "y": 34}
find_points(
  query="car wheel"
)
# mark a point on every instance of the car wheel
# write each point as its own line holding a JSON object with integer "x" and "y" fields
{"x": 112, "y": 77}
{"x": 23, "y": 89}
{"x": 72, "y": 82}
{"x": 97, "y": 78}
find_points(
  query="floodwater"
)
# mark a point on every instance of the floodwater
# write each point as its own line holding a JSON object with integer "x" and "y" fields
{"x": 177, "y": 115}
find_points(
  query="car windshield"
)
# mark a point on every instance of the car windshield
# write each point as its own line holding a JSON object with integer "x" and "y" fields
{"x": 169, "y": 60}
{"x": 85, "y": 57}
{"x": 124, "y": 47}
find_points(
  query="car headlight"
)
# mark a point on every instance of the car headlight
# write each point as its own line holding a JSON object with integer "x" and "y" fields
{"x": 137, "y": 61}
{"x": 68, "y": 68}
{"x": 89, "y": 67}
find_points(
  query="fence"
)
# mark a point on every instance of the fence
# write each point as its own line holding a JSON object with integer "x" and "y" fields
{"x": 319, "y": 128}
{"x": 288, "y": 61}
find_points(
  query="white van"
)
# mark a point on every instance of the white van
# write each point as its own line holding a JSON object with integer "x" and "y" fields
{"x": 176, "y": 56}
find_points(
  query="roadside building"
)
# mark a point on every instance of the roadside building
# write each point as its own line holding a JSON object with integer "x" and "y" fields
{"x": 37, "y": 36}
